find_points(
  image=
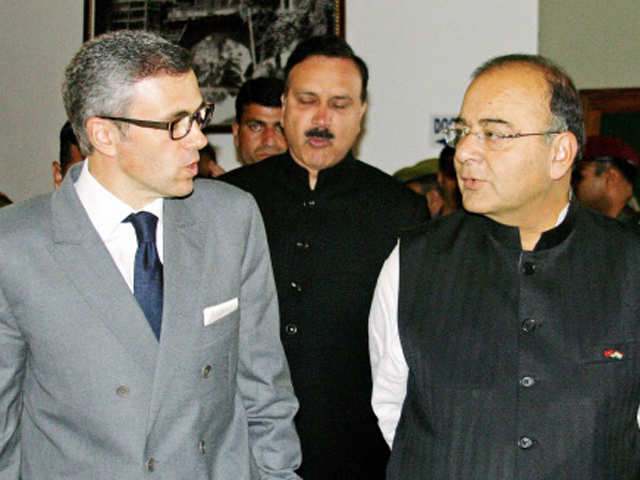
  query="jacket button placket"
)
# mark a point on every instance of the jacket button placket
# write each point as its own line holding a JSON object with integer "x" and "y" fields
{"x": 527, "y": 272}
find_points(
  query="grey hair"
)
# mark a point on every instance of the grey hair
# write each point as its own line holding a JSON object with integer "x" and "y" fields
{"x": 99, "y": 79}
{"x": 564, "y": 103}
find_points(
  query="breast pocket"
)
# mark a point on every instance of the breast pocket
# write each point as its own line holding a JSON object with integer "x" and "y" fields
{"x": 219, "y": 325}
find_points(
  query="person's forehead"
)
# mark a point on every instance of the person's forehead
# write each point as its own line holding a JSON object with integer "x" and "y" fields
{"x": 507, "y": 92}
{"x": 165, "y": 95}
{"x": 318, "y": 72}
{"x": 255, "y": 111}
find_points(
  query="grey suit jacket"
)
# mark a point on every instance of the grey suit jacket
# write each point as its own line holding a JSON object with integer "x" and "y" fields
{"x": 87, "y": 392}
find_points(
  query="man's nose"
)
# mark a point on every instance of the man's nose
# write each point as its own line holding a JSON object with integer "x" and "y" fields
{"x": 469, "y": 147}
{"x": 196, "y": 139}
{"x": 321, "y": 117}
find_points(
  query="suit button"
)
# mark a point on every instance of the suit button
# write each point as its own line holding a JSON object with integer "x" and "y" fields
{"x": 150, "y": 465}
{"x": 201, "y": 447}
{"x": 527, "y": 381}
{"x": 525, "y": 443}
{"x": 122, "y": 391}
{"x": 296, "y": 287}
{"x": 291, "y": 329}
{"x": 528, "y": 268}
{"x": 206, "y": 371}
{"x": 528, "y": 325}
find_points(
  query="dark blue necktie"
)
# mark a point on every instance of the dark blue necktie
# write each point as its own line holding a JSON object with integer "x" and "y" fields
{"x": 147, "y": 272}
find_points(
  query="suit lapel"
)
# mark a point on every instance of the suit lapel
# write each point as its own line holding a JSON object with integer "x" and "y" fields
{"x": 184, "y": 250}
{"x": 83, "y": 257}
{"x": 183, "y": 254}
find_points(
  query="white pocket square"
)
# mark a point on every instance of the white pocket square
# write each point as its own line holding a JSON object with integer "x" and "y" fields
{"x": 216, "y": 312}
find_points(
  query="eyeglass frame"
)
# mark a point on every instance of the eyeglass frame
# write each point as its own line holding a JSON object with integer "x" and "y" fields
{"x": 502, "y": 136}
{"x": 169, "y": 125}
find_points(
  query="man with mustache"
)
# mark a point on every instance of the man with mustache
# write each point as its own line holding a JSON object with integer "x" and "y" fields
{"x": 520, "y": 358}
{"x": 331, "y": 221}
{"x": 257, "y": 131}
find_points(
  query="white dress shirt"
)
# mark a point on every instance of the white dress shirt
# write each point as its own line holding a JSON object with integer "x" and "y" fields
{"x": 388, "y": 365}
{"x": 106, "y": 213}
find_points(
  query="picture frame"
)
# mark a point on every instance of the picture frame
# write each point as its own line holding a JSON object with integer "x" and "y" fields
{"x": 231, "y": 40}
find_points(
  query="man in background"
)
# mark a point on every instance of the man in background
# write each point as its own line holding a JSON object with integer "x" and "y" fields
{"x": 257, "y": 131}
{"x": 331, "y": 221}
{"x": 69, "y": 154}
{"x": 448, "y": 182}
{"x": 518, "y": 359}
{"x": 604, "y": 178}
{"x": 208, "y": 164}
{"x": 422, "y": 178}
{"x": 434, "y": 178}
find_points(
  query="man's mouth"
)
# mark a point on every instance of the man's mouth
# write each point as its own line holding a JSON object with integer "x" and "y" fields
{"x": 319, "y": 137}
{"x": 192, "y": 168}
{"x": 266, "y": 152}
{"x": 472, "y": 183}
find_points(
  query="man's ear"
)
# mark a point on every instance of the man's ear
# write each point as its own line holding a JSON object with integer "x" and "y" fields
{"x": 563, "y": 153}
{"x": 283, "y": 100}
{"x": 56, "y": 170}
{"x": 363, "y": 109}
{"x": 103, "y": 135}
{"x": 235, "y": 128}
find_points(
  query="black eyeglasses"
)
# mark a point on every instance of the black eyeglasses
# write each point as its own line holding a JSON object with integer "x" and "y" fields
{"x": 178, "y": 128}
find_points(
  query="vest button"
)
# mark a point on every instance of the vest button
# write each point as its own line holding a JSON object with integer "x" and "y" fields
{"x": 525, "y": 443}
{"x": 122, "y": 391}
{"x": 291, "y": 329}
{"x": 528, "y": 325}
{"x": 150, "y": 465}
{"x": 528, "y": 268}
{"x": 302, "y": 245}
{"x": 527, "y": 381}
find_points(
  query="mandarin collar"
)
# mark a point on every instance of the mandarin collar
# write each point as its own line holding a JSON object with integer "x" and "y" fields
{"x": 337, "y": 177}
{"x": 509, "y": 236}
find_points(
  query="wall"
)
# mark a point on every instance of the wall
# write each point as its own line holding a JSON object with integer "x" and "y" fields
{"x": 420, "y": 55}
{"x": 596, "y": 42}
{"x": 38, "y": 38}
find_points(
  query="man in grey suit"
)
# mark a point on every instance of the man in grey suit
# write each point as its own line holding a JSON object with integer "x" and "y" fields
{"x": 126, "y": 352}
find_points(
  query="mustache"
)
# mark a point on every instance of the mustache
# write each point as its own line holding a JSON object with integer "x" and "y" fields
{"x": 320, "y": 132}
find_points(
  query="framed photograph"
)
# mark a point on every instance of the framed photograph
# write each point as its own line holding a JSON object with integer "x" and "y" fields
{"x": 231, "y": 40}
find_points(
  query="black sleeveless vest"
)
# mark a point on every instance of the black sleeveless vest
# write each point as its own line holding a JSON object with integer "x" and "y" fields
{"x": 522, "y": 365}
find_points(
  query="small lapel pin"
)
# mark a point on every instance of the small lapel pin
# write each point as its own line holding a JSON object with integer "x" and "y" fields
{"x": 613, "y": 354}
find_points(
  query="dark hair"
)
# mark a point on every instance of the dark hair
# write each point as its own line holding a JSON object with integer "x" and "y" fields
{"x": 67, "y": 138}
{"x": 100, "y": 77}
{"x": 327, "y": 46}
{"x": 4, "y": 200}
{"x": 565, "y": 105}
{"x": 445, "y": 162}
{"x": 265, "y": 91}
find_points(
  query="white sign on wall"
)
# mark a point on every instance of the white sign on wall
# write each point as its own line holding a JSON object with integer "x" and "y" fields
{"x": 438, "y": 123}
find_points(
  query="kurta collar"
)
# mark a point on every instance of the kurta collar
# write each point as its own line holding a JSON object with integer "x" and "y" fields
{"x": 509, "y": 236}
{"x": 332, "y": 179}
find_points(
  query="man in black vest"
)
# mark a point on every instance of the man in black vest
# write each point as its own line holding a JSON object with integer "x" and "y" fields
{"x": 331, "y": 221}
{"x": 505, "y": 339}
